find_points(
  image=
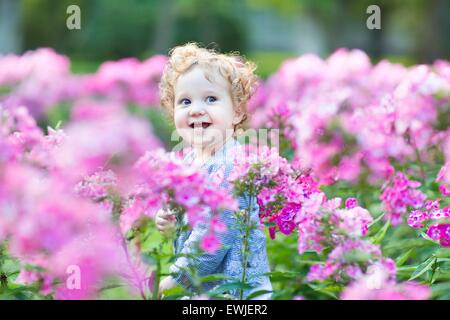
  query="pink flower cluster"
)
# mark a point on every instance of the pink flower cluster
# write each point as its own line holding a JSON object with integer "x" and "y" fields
{"x": 344, "y": 115}
{"x": 165, "y": 182}
{"x": 128, "y": 80}
{"x": 342, "y": 230}
{"x": 19, "y": 133}
{"x": 49, "y": 227}
{"x": 263, "y": 174}
{"x": 434, "y": 219}
{"x": 379, "y": 284}
{"x": 114, "y": 141}
{"x": 41, "y": 79}
{"x": 291, "y": 201}
{"x": 37, "y": 79}
{"x": 399, "y": 193}
{"x": 347, "y": 261}
{"x": 52, "y": 233}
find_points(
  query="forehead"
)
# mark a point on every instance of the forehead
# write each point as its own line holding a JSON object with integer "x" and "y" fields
{"x": 199, "y": 79}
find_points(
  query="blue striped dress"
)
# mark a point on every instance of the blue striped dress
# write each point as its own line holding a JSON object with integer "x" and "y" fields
{"x": 228, "y": 259}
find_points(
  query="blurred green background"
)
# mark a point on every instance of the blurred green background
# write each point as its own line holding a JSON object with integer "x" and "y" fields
{"x": 267, "y": 31}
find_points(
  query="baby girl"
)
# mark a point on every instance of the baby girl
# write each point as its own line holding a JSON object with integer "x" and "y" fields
{"x": 206, "y": 94}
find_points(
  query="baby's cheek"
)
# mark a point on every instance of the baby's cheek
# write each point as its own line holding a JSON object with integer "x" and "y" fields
{"x": 181, "y": 125}
{"x": 179, "y": 119}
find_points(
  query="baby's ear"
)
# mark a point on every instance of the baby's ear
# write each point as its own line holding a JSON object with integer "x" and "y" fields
{"x": 239, "y": 115}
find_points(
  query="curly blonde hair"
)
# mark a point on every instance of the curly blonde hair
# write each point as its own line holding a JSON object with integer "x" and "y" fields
{"x": 233, "y": 67}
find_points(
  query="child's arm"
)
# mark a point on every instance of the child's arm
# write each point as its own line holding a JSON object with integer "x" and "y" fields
{"x": 204, "y": 263}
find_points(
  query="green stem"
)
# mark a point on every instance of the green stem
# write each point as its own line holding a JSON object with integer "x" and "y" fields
{"x": 157, "y": 280}
{"x": 421, "y": 165}
{"x": 3, "y": 276}
{"x": 245, "y": 247}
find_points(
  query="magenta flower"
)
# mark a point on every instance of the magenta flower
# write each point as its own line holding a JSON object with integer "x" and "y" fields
{"x": 434, "y": 232}
{"x": 444, "y": 190}
{"x": 417, "y": 218}
{"x": 285, "y": 226}
{"x": 444, "y": 230}
{"x": 433, "y": 220}
{"x": 350, "y": 203}
{"x": 210, "y": 244}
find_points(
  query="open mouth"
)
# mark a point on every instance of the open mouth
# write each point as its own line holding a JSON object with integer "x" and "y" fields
{"x": 203, "y": 125}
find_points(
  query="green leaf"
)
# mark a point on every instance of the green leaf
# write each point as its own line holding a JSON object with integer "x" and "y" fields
{"x": 442, "y": 253}
{"x": 402, "y": 258}
{"x": 257, "y": 294}
{"x": 422, "y": 268}
{"x": 174, "y": 293}
{"x": 379, "y": 236}
{"x": 111, "y": 286}
{"x": 406, "y": 268}
{"x": 376, "y": 220}
{"x": 329, "y": 291}
{"x": 280, "y": 275}
{"x": 229, "y": 286}
{"x": 215, "y": 277}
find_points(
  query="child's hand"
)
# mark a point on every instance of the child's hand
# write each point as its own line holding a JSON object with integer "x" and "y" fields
{"x": 165, "y": 221}
{"x": 166, "y": 284}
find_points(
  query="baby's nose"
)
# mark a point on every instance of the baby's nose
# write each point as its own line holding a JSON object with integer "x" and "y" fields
{"x": 196, "y": 110}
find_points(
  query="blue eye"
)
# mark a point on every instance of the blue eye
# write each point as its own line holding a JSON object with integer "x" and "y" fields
{"x": 211, "y": 99}
{"x": 185, "y": 102}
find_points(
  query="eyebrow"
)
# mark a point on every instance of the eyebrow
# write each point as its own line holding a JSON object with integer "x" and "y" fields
{"x": 211, "y": 92}
{"x": 186, "y": 95}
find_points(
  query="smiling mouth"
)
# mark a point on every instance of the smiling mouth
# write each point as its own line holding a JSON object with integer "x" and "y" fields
{"x": 203, "y": 125}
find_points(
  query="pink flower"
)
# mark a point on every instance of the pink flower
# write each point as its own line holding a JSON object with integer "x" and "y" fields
{"x": 354, "y": 221}
{"x": 166, "y": 181}
{"x": 128, "y": 80}
{"x": 444, "y": 174}
{"x": 446, "y": 211}
{"x": 318, "y": 272}
{"x": 97, "y": 185}
{"x": 350, "y": 203}
{"x": 434, "y": 232}
{"x": 353, "y": 272}
{"x": 27, "y": 277}
{"x": 217, "y": 225}
{"x": 444, "y": 230}
{"x": 38, "y": 79}
{"x": 272, "y": 232}
{"x": 210, "y": 244}
{"x": 444, "y": 190}
{"x": 285, "y": 226}
{"x": 417, "y": 217}
{"x": 404, "y": 291}
{"x": 399, "y": 194}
